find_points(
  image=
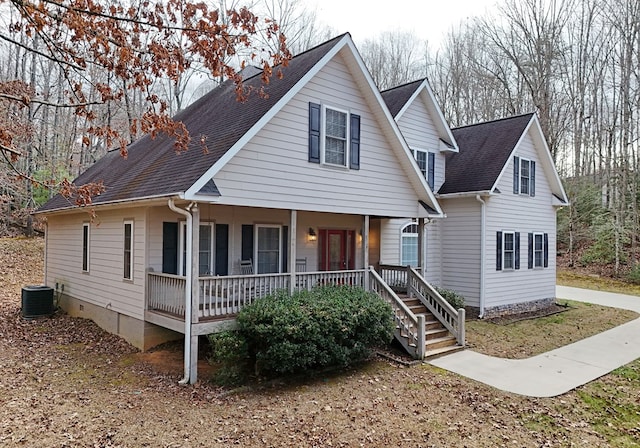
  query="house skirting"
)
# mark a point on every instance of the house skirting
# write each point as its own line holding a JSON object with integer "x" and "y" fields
{"x": 511, "y": 309}
{"x": 140, "y": 334}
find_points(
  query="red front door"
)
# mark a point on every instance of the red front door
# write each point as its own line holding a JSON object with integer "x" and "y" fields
{"x": 337, "y": 249}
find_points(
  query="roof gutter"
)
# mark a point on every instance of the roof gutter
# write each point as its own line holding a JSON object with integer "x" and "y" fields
{"x": 187, "y": 290}
{"x": 465, "y": 194}
{"x": 483, "y": 237}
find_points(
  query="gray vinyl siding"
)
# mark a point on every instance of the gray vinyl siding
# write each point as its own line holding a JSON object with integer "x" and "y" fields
{"x": 420, "y": 132}
{"x": 273, "y": 171}
{"x": 524, "y": 214}
{"x": 461, "y": 248}
{"x": 103, "y": 285}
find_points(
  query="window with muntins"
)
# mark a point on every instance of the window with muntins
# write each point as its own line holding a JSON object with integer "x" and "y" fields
{"x": 205, "y": 248}
{"x": 268, "y": 256}
{"x": 128, "y": 250}
{"x": 538, "y": 250}
{"x": 524, "y": 176}
{"x": 409, "y": 245}
{"x": 335, "y": 137}
{"x": 508, "y": 250}
{"x": 427, "y": 163}
{"x": 85, "y": 246}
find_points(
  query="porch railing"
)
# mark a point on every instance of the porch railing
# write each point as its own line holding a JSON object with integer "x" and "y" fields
{"x": 410, "y": 328}
{"x": 226, "y": 296}
{"x": 452, "y": 319}
{"x": 221, "y": 296}
{"x": 309, "y": 280}
{"x": 165, "y": 292}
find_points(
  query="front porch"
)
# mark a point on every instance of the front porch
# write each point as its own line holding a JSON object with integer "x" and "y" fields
{"x": 220, "y": 298}
{"x": 425, "y": 324}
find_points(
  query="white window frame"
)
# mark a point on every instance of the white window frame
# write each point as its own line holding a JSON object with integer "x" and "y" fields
{"x": 415, "y": 151}
{"x": 425, "y": 172}
{"x": 182, "y": 248}
{"x": 535, "y": 251}
{"x": 86, "y": 246}
{"x": 324, "y": 136}
{"x": 408, "y": 235}
{"x": 512, "y": 251}
{"x": 256, "y": 245}
{"x": 128, "y": 276}
{"x": 521, "y": 177}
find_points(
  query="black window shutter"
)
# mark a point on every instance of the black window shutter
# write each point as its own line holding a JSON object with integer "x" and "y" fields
{"x": 247, "y": 242}
{"x": 498, "y": 251}
{"x": 314, "y": 133}
{"x": 222, "y": 249}
{"x": 170, "y": 247}
{"x": 532, "y": 179}
{"x": 285, "y": 248}
{"x": 546, "y": 250}
{"x": 516, "y": 251}
{"x": 355, "y": 142}
{"x": 530, "y": 251}
{"x": 516, "y": 175}
{"x": 431, "y": 170}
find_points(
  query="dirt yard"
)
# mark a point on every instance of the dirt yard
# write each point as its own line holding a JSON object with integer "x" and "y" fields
{"x": 66, "y": 383}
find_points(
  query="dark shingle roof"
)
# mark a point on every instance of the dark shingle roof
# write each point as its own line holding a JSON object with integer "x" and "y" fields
{"x": 484, "y": 150}
{"x": 397, "y": 97}
{"x": 153, "y": 168}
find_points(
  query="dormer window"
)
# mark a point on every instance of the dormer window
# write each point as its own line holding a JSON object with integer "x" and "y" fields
{"x": 426, "y": 162}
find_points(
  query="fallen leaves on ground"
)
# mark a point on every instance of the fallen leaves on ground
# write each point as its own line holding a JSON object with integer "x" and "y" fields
{"x": 67, "y": 383}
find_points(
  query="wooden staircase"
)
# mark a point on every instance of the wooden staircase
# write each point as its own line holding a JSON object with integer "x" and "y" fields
{"x": 439, "y": 340}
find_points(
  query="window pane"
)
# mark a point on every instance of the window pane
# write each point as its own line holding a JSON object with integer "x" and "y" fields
{"x": 85, "y": 247}
{"x": 204, "y": 259}
{"x": 268, "y": 250}
{"x": 336, "y": 124}
{"x": 409, "y": 250}
{"x": 508, "y": 241}
{"x": 524, "y": 176}
{"x": 335, "y": 151}
{"x": 127, "y": 250}
{"x": 421, "y": 158}
{"x": 508, "y": 260}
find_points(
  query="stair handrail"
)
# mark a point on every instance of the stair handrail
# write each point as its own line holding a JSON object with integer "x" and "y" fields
{"x": 402, "y": 314}
{"x": 452, "y": 319}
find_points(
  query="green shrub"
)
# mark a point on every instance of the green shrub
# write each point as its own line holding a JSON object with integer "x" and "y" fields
{"x": 634, "y": 275}
{"x": 327, "y": 326}
{"x": 454, "y": 299}
{"x": 229, "y": 351}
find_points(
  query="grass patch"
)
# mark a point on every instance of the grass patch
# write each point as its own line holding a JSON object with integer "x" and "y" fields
{"x": 579, "y": 280}
{"x": 526, "y": 338}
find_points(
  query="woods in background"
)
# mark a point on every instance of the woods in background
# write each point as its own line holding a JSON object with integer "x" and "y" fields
{"x": 573, "y": 62}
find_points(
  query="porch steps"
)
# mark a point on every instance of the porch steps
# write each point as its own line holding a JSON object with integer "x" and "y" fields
{"x": 439, "y": 341}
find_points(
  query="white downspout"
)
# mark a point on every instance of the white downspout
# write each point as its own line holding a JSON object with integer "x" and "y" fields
{"x": 187, "y": 292}
{"x": 482, "y": 253}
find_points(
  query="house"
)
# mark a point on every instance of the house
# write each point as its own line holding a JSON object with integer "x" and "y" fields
{"x": 290, "y": 192}
{"x": 504, "y": 215}
{"x": 499, "y": 189}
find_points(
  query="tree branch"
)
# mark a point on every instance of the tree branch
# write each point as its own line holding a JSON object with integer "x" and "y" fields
{"x": 26, "y": 101}
{"x": 40, "y": 53}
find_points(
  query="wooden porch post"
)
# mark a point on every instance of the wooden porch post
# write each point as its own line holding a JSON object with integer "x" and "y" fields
{"x": 292, "y": 249}
{"x": 365, "y": 250}
{"x": 421, "y": 247}
{"x": 195, "y": 291}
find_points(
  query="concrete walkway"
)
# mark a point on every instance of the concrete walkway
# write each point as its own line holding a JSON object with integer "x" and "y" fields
{"x": 561, "y": 370}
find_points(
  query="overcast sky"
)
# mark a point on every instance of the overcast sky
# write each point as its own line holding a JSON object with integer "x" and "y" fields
{"x": 429, "y": 19}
